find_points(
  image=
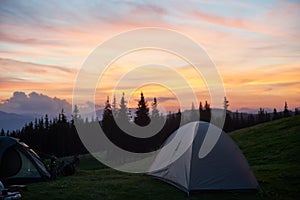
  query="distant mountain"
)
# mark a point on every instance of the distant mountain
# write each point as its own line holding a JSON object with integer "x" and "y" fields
{"x": 12, "y": 121}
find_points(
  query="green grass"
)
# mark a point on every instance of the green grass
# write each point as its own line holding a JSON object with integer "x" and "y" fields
{"x": 272, "y": 150}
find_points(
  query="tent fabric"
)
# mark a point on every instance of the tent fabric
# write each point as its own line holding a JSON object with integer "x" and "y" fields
{"x": 12, "y": 163}
{"x": 5, "y": 143}
{"x": 27, "y": 169}
{"x": 20, "y": 164}
{"x": 223, "y": 168}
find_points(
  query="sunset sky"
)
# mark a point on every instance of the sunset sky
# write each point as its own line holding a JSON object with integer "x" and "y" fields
{"x": 254, "y": 44}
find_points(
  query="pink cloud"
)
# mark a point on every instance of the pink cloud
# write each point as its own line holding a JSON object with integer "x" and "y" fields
{"x": 10, "y": 64}
{"x": 34, "y": 103}
{"x": 239, "y": 23}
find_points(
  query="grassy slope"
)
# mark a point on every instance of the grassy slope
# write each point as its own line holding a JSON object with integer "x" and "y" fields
{"x": 272, "y": 150}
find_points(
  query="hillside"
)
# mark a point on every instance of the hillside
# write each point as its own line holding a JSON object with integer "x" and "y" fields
{"x": 272, "y": 150}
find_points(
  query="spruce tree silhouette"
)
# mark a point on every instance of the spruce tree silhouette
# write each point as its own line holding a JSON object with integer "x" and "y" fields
{"x": 2, "y": 133}
{"x": 286, "y": 112}
{"x": 200, "y": 107}
{"x": 205, "y": 113}
{"x": 114, "y": 104}
{"x": 75, "y": 115}
{"x": 297, "y": 111}
{"x": 46, "y": 122}
{"x": 228, "y": 125}
{"x": 142, "y": 113}
{"x": 62, "y": 116}
{"x": 107, "y": 118}
{"x": 155, "y": 112}
{"x": 261, "y": 115}
{"x": 226, "y": 104}
{"x": 123, "y": 111}
{"x": 275, "y": 114}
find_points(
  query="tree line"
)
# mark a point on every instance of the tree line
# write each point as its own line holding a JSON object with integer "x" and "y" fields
{"x": 237, "y": 120}
{"x": 59, "y": 137}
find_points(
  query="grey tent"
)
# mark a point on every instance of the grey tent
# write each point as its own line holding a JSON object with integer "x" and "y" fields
{"x": 223, "y": 168}
{"x": 19, "y": 163}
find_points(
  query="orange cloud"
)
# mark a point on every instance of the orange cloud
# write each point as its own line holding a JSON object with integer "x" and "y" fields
{"x": 268, "y": 86}
{"x": 256, "y": 51}
{"x": 28, "y": 77}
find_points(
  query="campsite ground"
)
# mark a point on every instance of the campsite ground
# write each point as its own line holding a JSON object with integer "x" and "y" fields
{"x": 272, "y": 150}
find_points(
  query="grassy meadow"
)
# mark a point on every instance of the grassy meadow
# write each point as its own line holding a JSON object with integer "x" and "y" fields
{"x": 272, "y": 149}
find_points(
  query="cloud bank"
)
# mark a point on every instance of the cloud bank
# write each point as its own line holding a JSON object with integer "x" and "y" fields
{"x": 35, "y": 104}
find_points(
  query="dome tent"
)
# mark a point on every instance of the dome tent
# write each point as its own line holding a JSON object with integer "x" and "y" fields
{"x": 223, "y": 168}
{"x": 19, "y": 163}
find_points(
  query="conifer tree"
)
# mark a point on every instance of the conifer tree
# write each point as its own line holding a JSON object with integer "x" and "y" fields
{"x": 142, "y": 113}
{"x": 275, "y": 114}
{"x": 200, "y": 107}
{"x": 75, "y": 114}
{"x": 226, "y": 104}
{"x": 261, "y": 115}
{"x": 107, "y": 112}
{"x": 123, "y": 111}
{"x": 2, "y": 133}
{"x": 206, "y": 114}
{"x": 114, "y": 106}
{"x": 46, "y": 122}
{"x": 286, "y": 112}
{"x": 296, "y": 111}
{"x": 114, "y": 103}
{"x": 207, "y": 106}
{"x": 155, "y": 112}
{"x": 62, "y": 116}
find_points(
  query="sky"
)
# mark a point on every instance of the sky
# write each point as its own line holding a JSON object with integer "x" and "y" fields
{"x": 255, "y": 46}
